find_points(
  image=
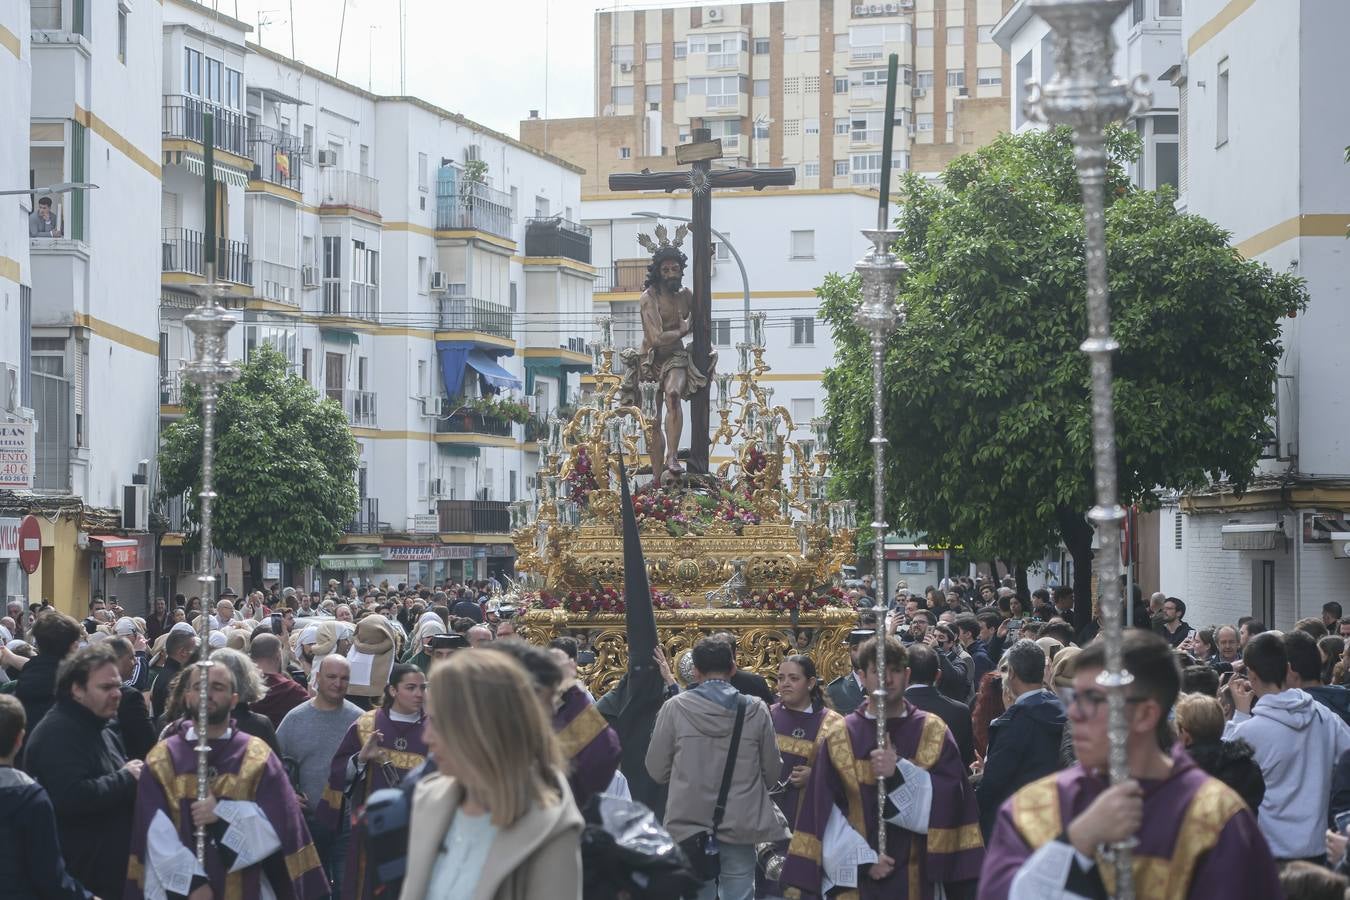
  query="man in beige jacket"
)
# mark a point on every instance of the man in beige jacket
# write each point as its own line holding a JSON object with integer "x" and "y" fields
{"x": 689, "y": 751}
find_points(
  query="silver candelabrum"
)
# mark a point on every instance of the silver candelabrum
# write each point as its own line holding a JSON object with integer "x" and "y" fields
{"x": 1085, "y": 94}
{"x": 209, "y": 369}
{"x": 878, "y": 315}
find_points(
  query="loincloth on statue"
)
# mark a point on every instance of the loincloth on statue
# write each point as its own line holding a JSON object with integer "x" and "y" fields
{"x": 657, "y": 365}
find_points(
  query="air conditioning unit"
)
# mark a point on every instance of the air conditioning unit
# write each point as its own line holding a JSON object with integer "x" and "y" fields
{"x": 309, "y": 276}
{"x": 625, "y": 67}
{"x": 438, "y": 281}
{"x": 714, "y": 15}
{"x": 431, "y": 406}
{"x": 327, "y": 158}
{"x": 919, "y": 92}
{"x": 892, "y": 8}
{"x": 136, "y": 507}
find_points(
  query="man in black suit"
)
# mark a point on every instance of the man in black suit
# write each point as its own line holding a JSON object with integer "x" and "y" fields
{"x": 846, "y": 692}
{"x": 752, "y": 684}
{"x": 924, "y": 676}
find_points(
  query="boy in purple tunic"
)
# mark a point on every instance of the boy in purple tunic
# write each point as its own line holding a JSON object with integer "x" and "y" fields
{"x": 1196, "y": 838}
{"x": 257, "y": 844}
{"x": 932, "y": 822}
{"x": 380, "y": 748}
{"x": 590, "y": 745}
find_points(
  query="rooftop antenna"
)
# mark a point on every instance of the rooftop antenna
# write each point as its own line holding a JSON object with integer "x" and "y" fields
{"x": 264, "y": 19}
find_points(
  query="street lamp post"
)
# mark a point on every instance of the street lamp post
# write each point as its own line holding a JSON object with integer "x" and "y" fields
{"x": 745, "y": 279}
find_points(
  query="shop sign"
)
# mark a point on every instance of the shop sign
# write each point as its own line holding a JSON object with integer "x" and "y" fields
{"x": 9, "y": 538}
{"x": 16, "y": 456}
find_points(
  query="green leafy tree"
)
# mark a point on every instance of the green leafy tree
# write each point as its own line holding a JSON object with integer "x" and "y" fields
{"x": 285, "y": 465}
{"x": 987, "y": 403}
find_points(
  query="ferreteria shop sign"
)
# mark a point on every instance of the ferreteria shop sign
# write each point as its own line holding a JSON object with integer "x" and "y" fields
{"x": 16, "y": 456}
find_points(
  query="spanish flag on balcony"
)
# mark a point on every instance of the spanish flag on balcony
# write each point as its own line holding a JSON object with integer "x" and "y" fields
{"x": 282, "y": 161}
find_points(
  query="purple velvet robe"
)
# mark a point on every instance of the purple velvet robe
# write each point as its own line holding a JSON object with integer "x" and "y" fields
{"x": 405, "y": 748}
{"x": 951, "y": 851}
{"x": 1198, "y": 838}
{"x": 245, "y": 769}
{"x": 590, "y": 745}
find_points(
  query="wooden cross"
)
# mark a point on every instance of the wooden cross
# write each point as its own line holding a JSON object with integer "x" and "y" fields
{"x": 700, "y": 180}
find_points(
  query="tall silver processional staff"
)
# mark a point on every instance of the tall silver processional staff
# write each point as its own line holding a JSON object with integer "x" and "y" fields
{"x": 209, "y": 325}
{"x": 878, "y": 314}
{"x": 1085, "y": 94}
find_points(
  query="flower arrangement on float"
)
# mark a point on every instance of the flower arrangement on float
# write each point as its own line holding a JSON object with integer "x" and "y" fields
{"x": 656, "y": 503}
{"x": 800, "y": 601}
{"x": 591, "y": 602}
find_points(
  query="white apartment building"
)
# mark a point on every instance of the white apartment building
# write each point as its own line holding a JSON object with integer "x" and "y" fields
{"x": 796, "y": 83}
{"x": 788, "y": 241}
{"x": 16, "y": 420}
{"x": 407, "y": 261}
{"x": 1261, "y": 152}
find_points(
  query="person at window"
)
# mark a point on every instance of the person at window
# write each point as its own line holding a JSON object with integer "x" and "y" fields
{"x": 42, "y": 222}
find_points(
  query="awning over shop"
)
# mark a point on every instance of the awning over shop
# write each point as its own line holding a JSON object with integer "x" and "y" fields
{"x": 494, "y": 374}
{"x": 339, "y": 336}
{"x": 228, "y": 174}
{"x": 349, "y": 562}
{"x": 118, "y": 552}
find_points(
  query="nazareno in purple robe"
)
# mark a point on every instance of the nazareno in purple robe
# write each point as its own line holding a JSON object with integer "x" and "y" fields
{"x": 405, "y": 749}
{"x": 951, "y": 851}
{"x": 591, "y": 747}
{"x": 244, "y": 769}
{"x": 1198, "y": 838}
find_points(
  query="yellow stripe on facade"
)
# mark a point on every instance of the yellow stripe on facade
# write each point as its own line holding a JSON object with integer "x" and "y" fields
{"x": 727, "y": 194}
{"x": 121, "y": 144}
{"x": 410, "y": 226}
{"x": 10, "y": 41}
{"x": 1222, "y": 19}
{"x": 118, "y": 335}
{"x": 474, "y": 235}
{"x": 621, "y": 296}
{"x": 10, "y": 269}
{"x": 1311, "y": 225}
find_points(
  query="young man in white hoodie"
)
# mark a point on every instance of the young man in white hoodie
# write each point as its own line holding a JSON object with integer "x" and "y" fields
{"x": 1297, "y": 742}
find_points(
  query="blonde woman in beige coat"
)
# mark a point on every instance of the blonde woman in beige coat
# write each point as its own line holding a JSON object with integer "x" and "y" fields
{"x": 497, "y": 822}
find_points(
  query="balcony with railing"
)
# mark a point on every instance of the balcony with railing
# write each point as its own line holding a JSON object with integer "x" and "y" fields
{"x": 474, "y": 516}
{"x": 556, "y": 236}
{"x": 277, "y": 282}
{"x": 184, "y": 251}
{"x": 183, "y": 119}
{"x": 468, "y": 421}
{"x": 367, "y": 519}
{"x": 349, "y": 190}
{"x": 472, "y": 314}
{"x": 276, "y": 156}
{"x": 360, "y": 407}
{"x": 361, "y": 301}
{"x": 171, "y": 382}
{"x": 472, "y": 206}
{"x": 624, "y": 276}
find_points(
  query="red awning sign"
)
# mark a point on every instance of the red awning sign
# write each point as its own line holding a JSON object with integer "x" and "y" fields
{"x": 118, "y": 552}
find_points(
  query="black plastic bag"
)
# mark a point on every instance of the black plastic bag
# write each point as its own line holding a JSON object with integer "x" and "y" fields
{"x": 627, "y": 853}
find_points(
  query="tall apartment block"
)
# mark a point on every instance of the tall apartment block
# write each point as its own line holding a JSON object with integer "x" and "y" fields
{"x": 789, "y": 83}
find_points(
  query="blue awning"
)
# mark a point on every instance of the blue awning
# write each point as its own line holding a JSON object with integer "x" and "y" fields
{"x": 452, "y": 355}
{"x": 494, "y": 374}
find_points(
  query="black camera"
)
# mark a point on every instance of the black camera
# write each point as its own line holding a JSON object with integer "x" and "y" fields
{"x": 585, "y": 657}
{"x": 452, "y": 641}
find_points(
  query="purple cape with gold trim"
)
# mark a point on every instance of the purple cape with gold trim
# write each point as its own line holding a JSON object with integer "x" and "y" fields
{"x": 951, "y": 851}
{"x": 404, "y": 747}
{"x": 244, "y": 769}
{"x": 1198, "y": 838}
{"x": 798, "y": 745}
{"x": 590, "y": 745}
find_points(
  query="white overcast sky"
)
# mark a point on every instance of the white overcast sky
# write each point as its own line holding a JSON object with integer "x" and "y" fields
{"x": 482, "y": 58}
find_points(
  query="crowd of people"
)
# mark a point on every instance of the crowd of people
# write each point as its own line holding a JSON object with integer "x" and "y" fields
{"x": 404, "y": 741}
